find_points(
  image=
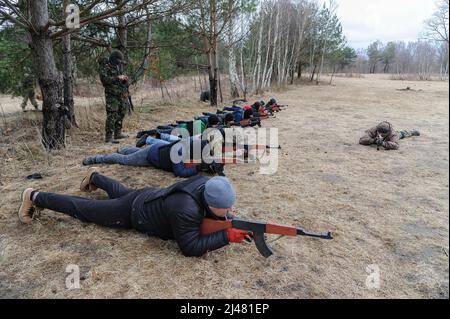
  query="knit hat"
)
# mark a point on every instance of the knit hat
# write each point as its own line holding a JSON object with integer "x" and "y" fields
{"x": 229, "y": 118}
{"x": 213, "y": 120}
{"x": 116, "y": 57}
{"x": 256, "y": 105}
{"x": 219, "y": 193}
{"x": 384, "y": 128}
{"x": 248, "y": 114}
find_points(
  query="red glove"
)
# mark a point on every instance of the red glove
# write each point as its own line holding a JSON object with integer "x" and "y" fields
{"x": 238, "y": 236}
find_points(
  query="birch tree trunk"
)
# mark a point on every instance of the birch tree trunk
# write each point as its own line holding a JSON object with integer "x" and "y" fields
{"x": 275, "y": 43}
{"x": 213, "y": 63}
{"x": 279, "y": 47}
{"x": 257, "y": 69}
{"x": 68, "y": 75}
{"x": 284, "y": 65}
{"x": 243, "y": 82}
{"x": 264, "y": 72}
{"x": 232, "y": 71}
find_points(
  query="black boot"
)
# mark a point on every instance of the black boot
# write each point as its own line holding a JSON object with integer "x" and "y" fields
{"x": 415, "y": 133}
{"x": 90, "y": 160}
{"x": 149, "y": 132}
{"x": 118, "y": 135}
{"x": 142, "y": 141}
{"x": 109, "y": 139}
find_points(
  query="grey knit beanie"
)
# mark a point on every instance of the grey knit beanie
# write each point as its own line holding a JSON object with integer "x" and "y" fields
{"x": 219, "y": 193}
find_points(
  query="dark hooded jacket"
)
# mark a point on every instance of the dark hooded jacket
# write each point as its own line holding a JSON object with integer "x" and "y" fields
{"x": 176, "y": 212}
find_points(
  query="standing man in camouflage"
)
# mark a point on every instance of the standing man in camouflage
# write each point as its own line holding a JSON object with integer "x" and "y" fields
{"x": 116, "y": 94}
{"x": 28, "y": 91}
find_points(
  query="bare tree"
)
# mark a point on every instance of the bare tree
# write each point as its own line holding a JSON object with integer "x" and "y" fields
{"x": 437, "y": 26}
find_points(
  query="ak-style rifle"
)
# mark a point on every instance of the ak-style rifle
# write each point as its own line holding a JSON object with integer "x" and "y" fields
{"x": 259, "y": 229}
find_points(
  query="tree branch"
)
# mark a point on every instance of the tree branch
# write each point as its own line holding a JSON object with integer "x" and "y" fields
{"x": 14, "y": 20}
{"x": 91, "y": 40}
{"x": 99, "y": 16}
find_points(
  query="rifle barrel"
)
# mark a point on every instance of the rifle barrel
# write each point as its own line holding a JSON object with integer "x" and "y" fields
{"x": 302, "y": 232}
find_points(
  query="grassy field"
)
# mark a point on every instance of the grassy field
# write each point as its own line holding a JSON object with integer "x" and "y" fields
{"x": 389, "y": 209}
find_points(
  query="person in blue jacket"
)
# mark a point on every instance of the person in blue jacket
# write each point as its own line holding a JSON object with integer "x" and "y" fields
{"x": 157, "y": 155}
{"x": 210, "y": 121}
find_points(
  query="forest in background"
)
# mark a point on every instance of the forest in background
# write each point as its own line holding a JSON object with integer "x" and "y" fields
{"x": 256, "y": 44}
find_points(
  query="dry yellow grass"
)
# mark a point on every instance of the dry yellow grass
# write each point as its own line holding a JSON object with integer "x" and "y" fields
{"x": 385, "y": 208}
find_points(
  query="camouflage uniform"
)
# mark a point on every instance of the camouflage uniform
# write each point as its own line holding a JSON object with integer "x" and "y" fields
{"x": 405, "y": 134}
{"x": 28, "y": 91}
{"x": 115, "y": 95}
{"x": 389, "y": 140}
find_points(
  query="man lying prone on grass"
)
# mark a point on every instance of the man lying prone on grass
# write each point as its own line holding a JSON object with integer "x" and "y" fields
{"x": 175, "y": 212}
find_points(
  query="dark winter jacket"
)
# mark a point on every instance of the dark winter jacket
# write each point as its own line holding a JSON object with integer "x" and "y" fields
{"x": 159, "y": 157}
{"x": 176, "y": 213}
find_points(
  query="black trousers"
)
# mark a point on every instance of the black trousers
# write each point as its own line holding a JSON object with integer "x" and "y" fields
{"x": 112, "y": 212}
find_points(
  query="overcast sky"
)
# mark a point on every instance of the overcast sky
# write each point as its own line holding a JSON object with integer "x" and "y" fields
{"x": 365, "y": 21}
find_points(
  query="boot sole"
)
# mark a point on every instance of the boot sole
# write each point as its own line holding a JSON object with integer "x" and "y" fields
{"x": 21, "y": 206}
{"x": 89, "y": 188}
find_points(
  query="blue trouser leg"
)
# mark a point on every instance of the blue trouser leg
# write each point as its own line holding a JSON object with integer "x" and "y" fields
{"x": 134, "y": 157}
{"x": 169, "y": 138}
{"x": 165, "y": 131}
{"x": 151, "y": 141}
{"x": 127, "y": 150}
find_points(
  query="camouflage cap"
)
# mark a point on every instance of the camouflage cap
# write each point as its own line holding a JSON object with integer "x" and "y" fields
{"x": 116, "y": 57}
{"x": 384, "y": 127}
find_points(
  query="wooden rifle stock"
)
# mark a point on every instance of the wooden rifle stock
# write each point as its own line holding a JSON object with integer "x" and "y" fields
{"x": 210, "y": 226}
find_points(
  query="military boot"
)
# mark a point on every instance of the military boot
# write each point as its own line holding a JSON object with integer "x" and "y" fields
{"x": 118, "y": 135}
{"x": 142, "y": 140}
{"x": 109, "y": 139}
{"x": 415, "y": 133}
{"x": 86, "y": 185}
{"x": 90, "y": 160}
{"x": 28, "y": 211}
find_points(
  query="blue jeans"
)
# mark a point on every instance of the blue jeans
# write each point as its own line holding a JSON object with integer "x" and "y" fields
{"x": 165, "y": 139}
{"x": 129, "y": 155}
{"x": 169, "y": 137}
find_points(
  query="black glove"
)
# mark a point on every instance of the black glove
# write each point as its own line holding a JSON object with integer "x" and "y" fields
{"x": 203, "y": 166}
{"x": 216, "y": 168}
{"x": 380, "y": 142}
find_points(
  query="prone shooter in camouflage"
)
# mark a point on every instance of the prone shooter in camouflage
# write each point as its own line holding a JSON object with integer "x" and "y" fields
{"x": 116, "y": 94}
{"x": 384, "y": 135}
